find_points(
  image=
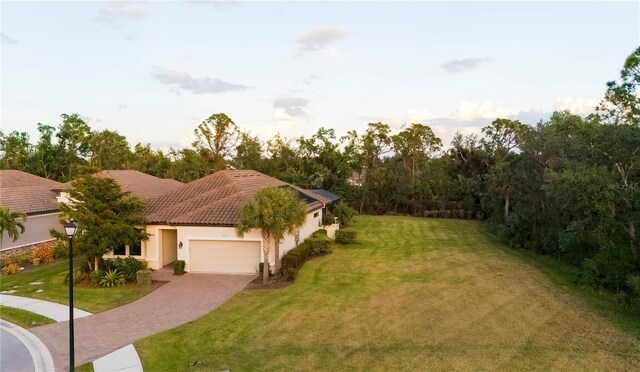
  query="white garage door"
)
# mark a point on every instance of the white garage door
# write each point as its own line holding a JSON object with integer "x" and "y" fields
{"x": 224, "y": 257}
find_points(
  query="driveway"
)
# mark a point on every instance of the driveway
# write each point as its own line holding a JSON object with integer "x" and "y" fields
{"x": 181, "y": 300}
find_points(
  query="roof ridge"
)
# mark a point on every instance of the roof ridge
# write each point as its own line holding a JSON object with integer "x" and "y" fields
{"x": 235, "y": 185}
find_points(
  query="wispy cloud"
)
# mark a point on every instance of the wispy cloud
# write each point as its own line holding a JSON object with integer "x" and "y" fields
{"x": 461, "y": 65}
{"x": 182, "y": 81}
{"x": 292, "y": 106}
{"x": 319, "y": 38}
{"x": 122, "y": 106}
{"x": 114, "y": 12}
{"x": 6, "y": 40}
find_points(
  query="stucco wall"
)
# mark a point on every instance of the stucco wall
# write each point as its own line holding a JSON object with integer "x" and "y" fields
{"x": 151, "y": 249}
{"x": 36, "y": 230}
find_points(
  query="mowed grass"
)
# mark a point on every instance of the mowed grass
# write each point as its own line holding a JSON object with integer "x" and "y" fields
{"x": 415, "y": 294}
{"x": 23, "y": 318}
{"x": 85, "y": 296}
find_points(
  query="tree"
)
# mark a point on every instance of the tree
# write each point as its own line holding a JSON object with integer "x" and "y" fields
{"x": 108, "y": 217}
{"x": 216, "y": 139}
{"x": 11, "y": 223}
{"x": 414, "y": 144}
{"x": 621, "y": 102}
{"x": 344, "y": 213}
{"x": 274, "y": 211}
{"x": 109, "y": 150}
{"x": 15, "y": 150}
{"x": 248, "y": 154}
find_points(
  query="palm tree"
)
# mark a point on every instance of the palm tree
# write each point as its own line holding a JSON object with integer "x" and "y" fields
{"x": 11, "y": 222}
{"x": 275, "y": 211}
{"x": 344, "y": 213}
{"x": 290, "y": 216}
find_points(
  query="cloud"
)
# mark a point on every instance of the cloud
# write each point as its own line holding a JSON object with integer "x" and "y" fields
{"x": 122, "y": 106}
{"x": 319, "y": 38}
{"x": 472, "y": 110}
{"x": 130, "y": 36}
{"x": 309, "y": 79}
{"x": 292, "y": 106}
{"x": 114, "y": 12}
{"x": 418, "y": 116}
{"x": 576, "y": 105}
{"x": 461, "y": 65}
{"x": 182, "y": 81}
{"x": 213, "y": 3}
{"x": 7, "y": 40}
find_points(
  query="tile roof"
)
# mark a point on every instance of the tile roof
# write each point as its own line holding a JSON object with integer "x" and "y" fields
{"x": 142, "y": 185}
{"x": 24, "y": 192}
{"x": 215, "y": 200}
{"x": 16, "y": 178}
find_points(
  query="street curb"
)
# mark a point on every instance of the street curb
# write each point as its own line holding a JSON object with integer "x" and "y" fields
{"x": 40, "y": 355}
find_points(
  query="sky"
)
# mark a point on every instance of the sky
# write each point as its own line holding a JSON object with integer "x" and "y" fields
{"x": 152, "y": 71}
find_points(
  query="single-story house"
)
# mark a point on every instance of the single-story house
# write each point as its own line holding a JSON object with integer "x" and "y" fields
{"x": 141, "y": 185}
{"x": 34, "y": 196}
{"x": 196, "y": 223}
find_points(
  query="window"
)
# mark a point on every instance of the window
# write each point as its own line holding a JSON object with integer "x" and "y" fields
{"x": 135, "y": 249}
{"x": 316, "y": 214}
{"x": 120, "y": 250}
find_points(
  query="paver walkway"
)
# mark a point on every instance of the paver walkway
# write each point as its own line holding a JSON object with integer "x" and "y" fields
{"x": 182, "y": 300}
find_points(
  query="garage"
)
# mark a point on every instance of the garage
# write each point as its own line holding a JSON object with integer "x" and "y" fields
{"x": 224, "y": 257}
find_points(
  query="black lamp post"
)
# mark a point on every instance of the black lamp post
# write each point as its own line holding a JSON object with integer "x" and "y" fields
{"x": 71, "y": 228}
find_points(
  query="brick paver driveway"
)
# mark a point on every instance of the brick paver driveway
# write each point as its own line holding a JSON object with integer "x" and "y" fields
{"x": 182, "y": 300}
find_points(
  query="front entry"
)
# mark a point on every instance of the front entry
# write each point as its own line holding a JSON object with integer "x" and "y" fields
{"x": 169, "y": 241}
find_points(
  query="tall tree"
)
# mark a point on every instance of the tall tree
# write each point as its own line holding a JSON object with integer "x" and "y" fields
{"x": 16, "y": 152}
{"x": 11, "y": 223}
{"x": 413, "y": 145}
{"x": 109, "y": 150}
{"x": 216, "y": 139}
{"x": 274, "y": 211}
{"x": 108, "y": 217}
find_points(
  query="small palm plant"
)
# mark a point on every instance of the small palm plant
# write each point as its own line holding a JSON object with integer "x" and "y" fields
{"x": 112, "y": 278}
{"x": 11, "y": 222}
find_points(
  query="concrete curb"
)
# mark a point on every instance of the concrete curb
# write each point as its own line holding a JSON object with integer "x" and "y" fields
{"x": 42, "y": 360}
{"x": 124, "y": 359}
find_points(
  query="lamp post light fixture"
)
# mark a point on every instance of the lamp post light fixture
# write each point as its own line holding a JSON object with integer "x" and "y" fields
{"x": 70, "y": 229}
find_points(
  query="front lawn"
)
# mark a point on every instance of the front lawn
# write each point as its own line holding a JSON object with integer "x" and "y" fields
{"x": 46, "y": 282}
{"x": 416, "y": 294}
{"x": 23, "y": 318}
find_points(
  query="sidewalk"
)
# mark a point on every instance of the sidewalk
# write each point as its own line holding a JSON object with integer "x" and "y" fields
{"x": 124, "y": 359}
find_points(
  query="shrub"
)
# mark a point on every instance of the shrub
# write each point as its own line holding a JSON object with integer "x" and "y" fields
{"x": 96, "y": 276}
{"x": 261, "y": 269}
{"x": 328, "y": 219}
{"x": 294, "y": 259}
{"x": 318, "y": 246}
{"x": 128, "y": 266}
{"x": 44, "y": 252}
{"x": 178, "y": 267}
{"x": 11, "y": 269}
{"x": 319, "y": 233}
{"x": 36, "y": 262}
{"x": 346, "y": 236}
{"x": 143, "y": 278}
{"x": 61, "y": 249}
{"x": 112, "y": 278}
{"x": 78, "y": 276}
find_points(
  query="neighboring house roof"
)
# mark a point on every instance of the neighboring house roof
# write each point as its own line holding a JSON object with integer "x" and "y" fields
{"x": 326, "y": 194}
{"x": 142, "y": 185}
{"x": 215, "y": 200}
{"x": 27, "y": 193}
{"x": 16, "y": 178}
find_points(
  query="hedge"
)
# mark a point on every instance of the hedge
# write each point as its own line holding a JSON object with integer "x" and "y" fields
{"x": 315, "y": 245}
{"x": 346, "y": 236}
{"x": 143, "y": 278}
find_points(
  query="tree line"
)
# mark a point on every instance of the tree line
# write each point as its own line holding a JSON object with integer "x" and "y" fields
{"x": 567, "y": 187}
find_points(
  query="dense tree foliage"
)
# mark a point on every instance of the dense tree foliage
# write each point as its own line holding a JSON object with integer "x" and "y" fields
{"x": 567, "y": 187}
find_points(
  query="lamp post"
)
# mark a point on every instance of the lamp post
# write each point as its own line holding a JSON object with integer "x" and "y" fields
{"x": 70, "y": 229}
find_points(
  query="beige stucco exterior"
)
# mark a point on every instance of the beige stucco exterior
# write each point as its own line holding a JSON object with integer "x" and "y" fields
{"x": 156, "y": 249}
{"x": 36, "y": 230}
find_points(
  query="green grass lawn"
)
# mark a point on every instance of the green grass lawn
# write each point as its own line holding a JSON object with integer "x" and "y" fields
{"x": 23, "y": 318}
{"x": 415, "y": 294}
{"x": 86, "y": 297}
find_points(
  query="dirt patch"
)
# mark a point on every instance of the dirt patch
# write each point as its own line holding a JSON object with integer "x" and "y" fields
{"x": 272, "y": 284}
